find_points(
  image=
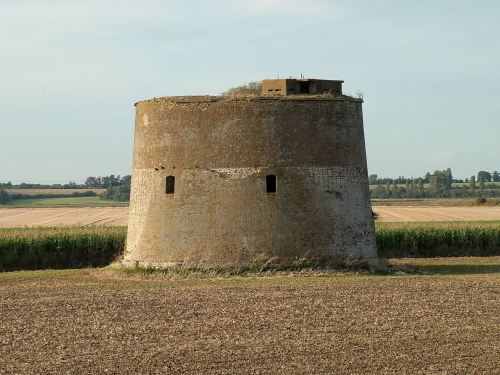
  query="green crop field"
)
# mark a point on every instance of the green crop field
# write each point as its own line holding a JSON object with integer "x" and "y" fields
{"x": 59, "y": 247}
{"x": 53, "y": 191}
{"x": 438, "y": 239}
{"x": 65, "y": 247}
{"x": 64, "y": 202}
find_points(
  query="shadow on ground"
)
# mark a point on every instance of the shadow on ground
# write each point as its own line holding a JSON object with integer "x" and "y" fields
{"x": 459, "y": 269}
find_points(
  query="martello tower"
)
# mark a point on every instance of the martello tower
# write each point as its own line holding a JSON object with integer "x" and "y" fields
{"x": 225, "y": 180}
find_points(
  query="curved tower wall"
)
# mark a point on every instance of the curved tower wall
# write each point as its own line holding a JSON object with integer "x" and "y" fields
{"x": 220, "y": 151}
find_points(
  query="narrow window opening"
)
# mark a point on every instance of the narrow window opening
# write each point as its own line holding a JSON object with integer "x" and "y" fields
{"x": 170, "y": 187}
{"x": 271, "y": 183}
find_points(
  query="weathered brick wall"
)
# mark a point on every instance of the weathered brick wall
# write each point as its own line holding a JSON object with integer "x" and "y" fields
{"x": 220, "y": 151}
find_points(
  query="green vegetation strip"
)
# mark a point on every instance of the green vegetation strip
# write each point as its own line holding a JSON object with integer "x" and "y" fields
{"x": 63, "y": 202}
{"x": 59, "y": 247}
{"x": 440, "y": 239}
{"x": 73, "y": 247}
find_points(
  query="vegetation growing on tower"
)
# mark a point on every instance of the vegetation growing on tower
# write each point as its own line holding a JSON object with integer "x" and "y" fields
{"x": 251, "y": 88}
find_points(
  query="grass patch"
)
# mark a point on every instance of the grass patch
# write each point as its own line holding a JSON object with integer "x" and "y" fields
{"x": 449, "y": 266}
{"x": 39, "y": 274}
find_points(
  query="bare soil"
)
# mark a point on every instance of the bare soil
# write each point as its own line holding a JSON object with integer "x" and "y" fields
{"x": 88, "y": 322}
{"x": 19, "y": 217}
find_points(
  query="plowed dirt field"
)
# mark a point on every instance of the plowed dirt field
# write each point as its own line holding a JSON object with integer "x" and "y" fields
{"x": 87, "y": 322}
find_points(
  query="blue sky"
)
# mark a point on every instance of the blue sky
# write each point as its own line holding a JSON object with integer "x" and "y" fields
{"x": 70, "y": 72}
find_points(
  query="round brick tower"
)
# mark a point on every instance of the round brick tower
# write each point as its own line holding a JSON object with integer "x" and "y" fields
{"x": 229, "y": 180}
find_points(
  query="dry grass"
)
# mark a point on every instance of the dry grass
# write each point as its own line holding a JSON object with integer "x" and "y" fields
{"x": 91, "y": 322}
{"x": 347, "y": 264}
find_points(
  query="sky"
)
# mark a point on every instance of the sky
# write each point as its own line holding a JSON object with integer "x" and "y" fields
{"x": 70, "y": 72}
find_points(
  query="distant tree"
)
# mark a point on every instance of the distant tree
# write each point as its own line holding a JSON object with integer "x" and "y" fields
{"x": 126, "y": 180}
{"x": 119, "y": 188}
{"x": 440, "y": 183}
{"x": 449, "y": 177}
{"x": 481, "y": 184}
{"x": 388, "y": 189}
{"x": 410, "y": 189}
{"x": 4, "y": 196}
{"x": 483, "y": 176}
{"x": 421, "y": 186}
{"x": 472, "y": 183}
{"x": 93, "y": 182}
{"x": 380, "y": 192}
{"x": 117, "y": 193}
{"x": 495, "y": 176}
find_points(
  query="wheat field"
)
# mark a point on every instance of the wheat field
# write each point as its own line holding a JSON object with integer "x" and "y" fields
{"x": 56, "y": 216}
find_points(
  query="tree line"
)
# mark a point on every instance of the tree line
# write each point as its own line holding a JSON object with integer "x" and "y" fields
{"x": 117, "y": 188}
{"x": 439, "y": 184}
{"x": 484, "y": 176}
{"x": 103, "y": 182}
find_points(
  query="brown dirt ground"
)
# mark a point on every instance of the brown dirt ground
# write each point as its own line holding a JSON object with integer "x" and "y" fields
{"x": 87, "y": 322}
{"x": 18, "y": 217}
